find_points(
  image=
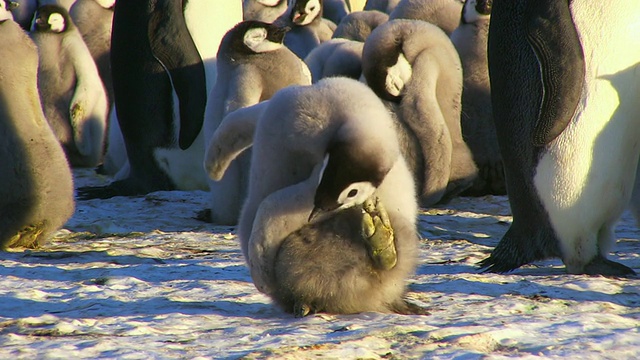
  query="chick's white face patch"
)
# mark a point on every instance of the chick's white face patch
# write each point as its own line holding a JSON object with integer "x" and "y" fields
{"x": 470, "y": 12}
{"x": 398, "y": 75}
{"x": 313, "y": 10}
{"x": 107, "y": 4}
{"x": 256, "y": 40}
{"x": 5, "y": 14}
{"x": 270, "y": 3}
{"x": 355, "y": 194}
{"x": 56, "y": 21}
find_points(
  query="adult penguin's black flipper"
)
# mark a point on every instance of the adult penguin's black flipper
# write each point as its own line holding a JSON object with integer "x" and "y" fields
{"x": 173, "y": 46}
{"x": 561, "y": 62}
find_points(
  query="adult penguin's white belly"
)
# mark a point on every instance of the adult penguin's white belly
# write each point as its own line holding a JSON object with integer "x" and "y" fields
{"x": 585, "y": 177}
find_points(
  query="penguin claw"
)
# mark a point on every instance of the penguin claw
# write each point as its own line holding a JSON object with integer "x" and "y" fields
{"x": 301, "y": 310}
{"x": 378, "y": 234}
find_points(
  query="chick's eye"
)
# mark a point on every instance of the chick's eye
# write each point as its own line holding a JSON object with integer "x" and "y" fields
{"x": 352, "y": 193}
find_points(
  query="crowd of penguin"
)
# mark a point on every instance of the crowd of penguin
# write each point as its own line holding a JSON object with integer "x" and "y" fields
{"x": 320, "y": 128}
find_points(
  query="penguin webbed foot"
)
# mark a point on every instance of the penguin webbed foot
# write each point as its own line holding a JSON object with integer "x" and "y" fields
{"x": 204, "y": 215}
{"x": 404, "y": 307}
{"x": 378, "y": 234}
{"x": 605, "y": 267}
{"x": 125, "y": 187}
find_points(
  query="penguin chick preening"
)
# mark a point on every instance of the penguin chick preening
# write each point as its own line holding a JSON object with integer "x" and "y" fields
{"x": 330, "y": 147}
{"x": 414, "y": 67}
{"x": 308, "y": 27}
{"x": 565, "y": 79}
{"x": 72, "y": 94}
{"x": 252, "y": 65}
{"x": 36, "y": 185}
{"x": 478, "y": 129}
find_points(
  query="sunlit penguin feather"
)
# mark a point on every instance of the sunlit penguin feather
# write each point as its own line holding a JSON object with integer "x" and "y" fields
{"x": 336, "y": 57}
{"x": 385, "y": 6}
{"x": 72, "y": 94}
{"x": 359, "y": 24}
{"x": 263, "y": 10}
{"x": 36, "y": 186}
{"x": 565, "y": 79}
{"x": 414, "y": 66}
{"x": 443, "y": 13}
{"x": 93, "y": 18}
{"x": 478, "y": 129}
{"x": 252, "y": 65}
{"x": 335, "y": 147}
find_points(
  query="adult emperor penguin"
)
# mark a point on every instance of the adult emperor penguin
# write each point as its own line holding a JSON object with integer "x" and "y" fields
{"x": 565, "y": 78}
{"x": 36, "y": 186}
{"x": 413, "y": 65}
{"x": 308, "y": 27}
{"x": 73, "y": 97}
{"x": 478, "y": 130}
{"x": 325, "y": 164}
{"x": 359, "y": 24}
{"x": 252, "y": 65}
{"x": 163, "y": 65}
{"x": 443, "y": 13}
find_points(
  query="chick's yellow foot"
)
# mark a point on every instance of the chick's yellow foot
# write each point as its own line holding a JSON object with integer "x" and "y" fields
{"x": 378, "y": 234}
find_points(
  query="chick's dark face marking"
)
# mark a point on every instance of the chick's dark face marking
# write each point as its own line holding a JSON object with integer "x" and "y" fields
{"x": 349, "y": 178}
{"x": 51, "y": 18}
{"x": 254, "y": 37}
{"x": 303, "y": 12}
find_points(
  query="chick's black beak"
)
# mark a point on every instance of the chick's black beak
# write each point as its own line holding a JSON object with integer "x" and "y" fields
{"x": 315, "y": 213}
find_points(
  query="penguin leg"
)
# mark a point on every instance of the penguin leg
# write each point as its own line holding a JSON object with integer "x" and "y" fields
{"x": 378, "y": 234}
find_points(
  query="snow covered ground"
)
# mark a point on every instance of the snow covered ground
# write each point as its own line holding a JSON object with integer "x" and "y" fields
{"x": 140, "y": 278}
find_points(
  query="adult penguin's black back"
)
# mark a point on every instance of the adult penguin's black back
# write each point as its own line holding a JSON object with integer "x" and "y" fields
{"x": 515, "y": 79}
{"x": 152, "y": 53}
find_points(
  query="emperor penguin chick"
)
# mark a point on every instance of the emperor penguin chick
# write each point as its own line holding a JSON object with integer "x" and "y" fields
{"x": 23, "y": 11}
{"x": 478, "y": 129}
{"x": 36, "y": 186}
{"x": 336, "y": 57}
{"x": 308, "y": 27}
{"x": 414, "y": 66}
{"x": 443, "y": 13}
{"x": 93, "y": 18}
{"x": 72, "y": 94}
{"x": 320, "y": 152}
{"x": 359, "y": 24}
{"x": 252, "y": 65}
{"x": 263, "y": 10}
{"x": 565, "y": 79}
{"x": 385, "y": 6}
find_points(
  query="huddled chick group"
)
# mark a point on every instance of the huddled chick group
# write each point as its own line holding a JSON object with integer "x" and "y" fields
{"x": 318, "y": 127}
